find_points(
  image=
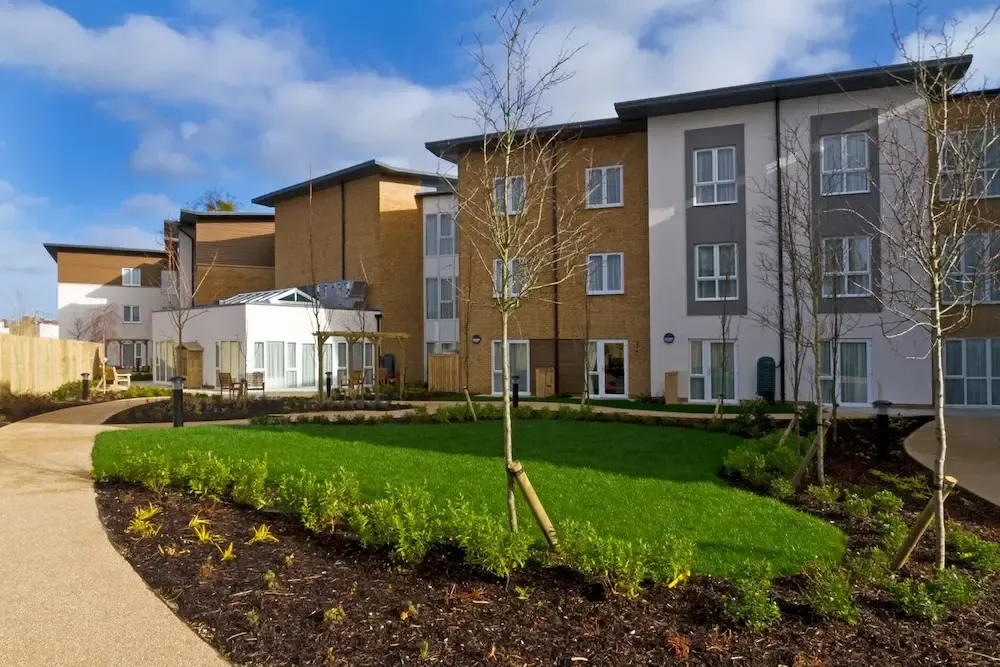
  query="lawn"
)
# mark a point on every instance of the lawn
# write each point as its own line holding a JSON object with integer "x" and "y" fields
{"x": 629, "y": 480}
{"x": 692, "y": 408}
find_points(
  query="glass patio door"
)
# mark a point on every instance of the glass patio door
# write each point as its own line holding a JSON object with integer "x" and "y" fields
{"x": 518, "y": 351}
{"x": 275, "y": 374}
{"x": 606, "y": 368}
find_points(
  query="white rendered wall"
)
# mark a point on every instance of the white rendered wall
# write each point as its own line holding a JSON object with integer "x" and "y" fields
{"x": 78, "y": 301}
{"x": 205, "y": 326}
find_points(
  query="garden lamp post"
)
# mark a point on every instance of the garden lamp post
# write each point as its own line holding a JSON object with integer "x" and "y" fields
{"x": 882, "y": 427}
{"x": 329, "y": 383}
{"x": 514, "y": 389}
{"x": 85, "y": 386}
{"x": 178, "y": 400}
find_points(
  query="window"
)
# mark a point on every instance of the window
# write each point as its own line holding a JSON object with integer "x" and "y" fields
{"x": 973, "y": 263}
{"x": 517, "y": 351}
{"x": 291, "y": 372}
{"x": 363, "y": 360}
{"x": 713, "y": 370}
{"x": 132, "y": 354}
{"x": 715, "y": 272}
{"x": 972, "y": 371}
{"x": 164, "y": 368}
{"x": 607, "y": 368}
{"x": 309, "y": 364}
{"x": 849, "y": 384}
{"x": 970, "y": 163}
{"x": 509, "y": 195}
{"x": 604, "y": 186}
{"x": 844, "y": 159}
{"x": 715, "y": 176}
{"x": 430, "y": 235}
{"x": 440, "y": 298}
{"x": 131, "y": 277}
{"x": 847, "y": 266}
{"x": 604, "y": 273}
{"x": 439, "y": 234}
{"x": 275, "y": 372}
{"x": 229, "y": 358}
{"x": 258, "y": 356}
{"x": 341, "y": 364}
{"x": 515, "y": 278}
{"x": 131, "y": 315}
{"x": 433, "y": 298}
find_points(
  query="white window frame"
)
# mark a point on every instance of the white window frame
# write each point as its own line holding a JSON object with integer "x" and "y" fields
{"x": 259, "y": 350}
{"x": 523, "y": 387}
{"x": 604, "y": 273}
{"x": 987, "y": 289}
{"x": 439, "y": 301}
{"x": 992, "y": 392}
{"x": 715, "y": 182}
{"x": 600, "y": 371}
{"x": 837, "y": 377}
{"x": 515, "y": 268}
{"x": 833, "y": 277}
{"x": 131, "y": 277}
{"x": 291, "y": 364}
{"x": 989, "y": 174}
{"x": 508, "y": 204}
{"x": 604, "y": 186}
{"x": 225, "y": 348}
{"x": 710, "y": 395}
{"x": 716, "y": 276}
{"x": 438, "y": 238}
{"x": 134, "y": 311}
{"x": 844, "y": 171}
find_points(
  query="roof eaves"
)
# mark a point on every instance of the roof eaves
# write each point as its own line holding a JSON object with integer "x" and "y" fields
{"x": 191, "y": 216}
{"x": 55, "y": 248}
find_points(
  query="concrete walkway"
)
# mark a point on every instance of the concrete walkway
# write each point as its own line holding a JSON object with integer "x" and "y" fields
{"x": 67, "y": 598}
{"x": 973, "y": 456}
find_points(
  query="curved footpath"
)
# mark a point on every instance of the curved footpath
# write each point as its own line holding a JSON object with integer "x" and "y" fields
{"x": 67, "y": 597}
{"x": 973, "y": 451}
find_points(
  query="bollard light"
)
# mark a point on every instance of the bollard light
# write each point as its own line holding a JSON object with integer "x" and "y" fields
{"x": 85, "y": 393}
{"x": 178, "y": 400}
{"x": 329, "y": 383}
{"x": 516, "y": 379}
{"x": 882, "y": 427}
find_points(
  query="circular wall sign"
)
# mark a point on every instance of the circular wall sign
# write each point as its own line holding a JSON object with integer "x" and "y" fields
{"x": 476, "y": 339}
{"x": 668, "y": 338}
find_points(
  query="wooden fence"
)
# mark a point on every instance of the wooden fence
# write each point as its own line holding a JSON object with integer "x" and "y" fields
{"x": 442, "y": 373}
{"x": 40, "y": 365}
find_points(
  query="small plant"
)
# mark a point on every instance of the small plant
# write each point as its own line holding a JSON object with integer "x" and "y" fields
{"x": 253, "y": 618}
{"x": 916, "y": 486}
{"x": 857, "y": 507}
{"x": 759, "y": 462}
{"x": 411, "y": 612}
{"x": 781, "y": 489}
{"x": 425, "y": 650}
{"x": 403, "y": 520}
{"x": 320, "y": 503}
{"x": 827, "y": 494}
{"x": 262, "y": 534}
{"x": 196, "y": 521}
{"x": 205, "y": 535}
{"x": 523, "y": 592}
{"x": 289, "y": 560}
{"x": 146, "y": 513}
{"x": 870, "y": 567}
{"x": 205, "y": 473}
{"x": 335, "y": 615}
{"x": 142, "y": 528}
{"x": 487, "y": 541}
{"x": 886, "y": 502}
{"x": 271, "y": 580}
{"x": 931, "y": 600}
{"x": 226, "y": 554}
{"x": 150, "y": 468}
{"x": 973, "y": 551}
{"x": 892, "y": 530}
{"x": 249, "y": 483}
{"x": 207, "y": 568}
{"x": 170, "y": 551}
{"x": 751, "y": 605}
{"x": 679, "y": 644}
{"x": 829, "y": 592}
{"x": 754, "y": 417}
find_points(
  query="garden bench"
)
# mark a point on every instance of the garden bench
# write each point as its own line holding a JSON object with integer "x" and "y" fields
{"x": 115, "y": 380}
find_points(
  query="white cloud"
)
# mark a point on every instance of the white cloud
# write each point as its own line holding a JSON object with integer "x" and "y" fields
{"x": 968, "y": 30}
{"x": 147, "y": 205}
{"x": 121, "y": 236}
{"x": 263, "y": 84}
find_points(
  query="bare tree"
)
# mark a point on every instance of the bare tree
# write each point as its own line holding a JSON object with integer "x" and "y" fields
{"x": 215, "y": 200}
{"x": 98, "y": 325}
{"x": 504, "y": 201}
{"x": 938, "y": 243}
{"x": 183, "y": 285}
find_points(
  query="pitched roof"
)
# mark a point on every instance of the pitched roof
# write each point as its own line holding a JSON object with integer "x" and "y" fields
{"x": 55, "y": 248}
{"x": 351, "y": 173}
{"x": 286, "y": 295}
{"x": 786, "y": 89}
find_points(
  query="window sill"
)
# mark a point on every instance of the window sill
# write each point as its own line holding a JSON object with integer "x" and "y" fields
{"x": 600, "y": 206}
{"x": 848, "y": 296}
{"x": 605, "y": 292}
{"x": 972, "y": 197}
{"x": 717, "y": 300}
{"x": 843, "y": 194}
{"x": 715, "y": 203}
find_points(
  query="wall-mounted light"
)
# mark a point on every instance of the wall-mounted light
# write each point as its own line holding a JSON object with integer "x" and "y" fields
{"x": 668, "y": 338}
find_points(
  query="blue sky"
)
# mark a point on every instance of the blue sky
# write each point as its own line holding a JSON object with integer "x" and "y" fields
{"x": 116, "y": 113}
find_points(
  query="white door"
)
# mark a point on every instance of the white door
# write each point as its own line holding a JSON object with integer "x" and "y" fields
{"x": 275, "y": 364}
{"x": 607, "y": 368}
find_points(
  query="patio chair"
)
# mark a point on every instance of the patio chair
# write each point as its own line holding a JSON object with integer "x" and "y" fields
{"x": 116, "y": 380}
{"x": 226, "y": 382}
{"x": 255, "y": 382}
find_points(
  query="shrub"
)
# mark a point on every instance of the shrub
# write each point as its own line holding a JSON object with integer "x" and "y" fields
{"x": 886, "y": 502}
{"x": 623, "y": 565}
{"x": 857, "y": 507}
{"x": 754, "y": 417}
{"x": 150, "y": 468}
{"x": 829, "y": 592}
{"x": 870, "y": 567}
{"x": 250, "y": 482}
{"x": 750, "y": 465}
{"x": 780, "y": 489}
{"x": 931, "y": 600}
{"x": 487, "y": 540}
{"x": 827, "y": 494}
{"x": 203, "y": 473}
{"x": 403, "y": 520}
{"x": 892, "y": 529}
{"x": 762, "y": 460}
{"x": 784, "y": 460}
{"x": 321, "y": 504}
{"x": 973, "y": 551}
{"x": 750, "y": 604}
{"x": 809, "y": 419}
{"x": 916, "y": 486}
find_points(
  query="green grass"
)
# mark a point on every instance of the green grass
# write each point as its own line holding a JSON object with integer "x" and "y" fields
{"x": 693, "y": 408}
{"x": 628, "y": 480}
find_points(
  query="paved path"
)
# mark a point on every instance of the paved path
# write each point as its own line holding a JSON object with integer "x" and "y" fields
{"x": 67, "y": 598}
{"x": 973, "y": 451}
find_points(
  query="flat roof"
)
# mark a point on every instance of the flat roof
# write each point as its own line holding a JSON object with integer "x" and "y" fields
{"x": 797, "y": 87}
{"x": 55, "y": 248}
{"x": 451, "y": 149}
{"x": 354, "y": 172}
{"x": 190, "y": 216}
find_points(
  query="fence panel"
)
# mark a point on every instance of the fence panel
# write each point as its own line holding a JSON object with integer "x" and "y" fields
{"x": 442, "y": 373}
{"x": 40, "y": 365}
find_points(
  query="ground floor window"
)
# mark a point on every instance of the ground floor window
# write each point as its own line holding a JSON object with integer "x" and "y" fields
{"x": 972, "y": 371}
{"x": 362, "y": 361}
{"x": 275, "y": 371}
{"x": 164, "y": 368}
{"x": 229, "y": 358}
{"x": 291, "y": 372}
{"x": 713, "y": 370}
{"x": 607, "y": 368}
{"x": 309, "y": 364}
{"x": 848, "y": 382}
{"x": 518, "y": 354}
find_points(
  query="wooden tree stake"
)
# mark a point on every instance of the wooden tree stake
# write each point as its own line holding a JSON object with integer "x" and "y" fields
{"x": 804, "y": 466}
{"x": 517, "y": 470}
{"x": 468, "y": 404}
{"x": 920, "y": 527}
{"x": 788, "y": 430}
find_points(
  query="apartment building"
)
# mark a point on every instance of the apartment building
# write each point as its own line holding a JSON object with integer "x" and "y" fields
{"x": 592, "y": 327}
{"x": 442, "y": 287}
{"x": 109, "y": 294}
{"x": 360, "y": 224}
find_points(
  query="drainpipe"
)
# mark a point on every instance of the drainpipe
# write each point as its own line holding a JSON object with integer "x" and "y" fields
{"x": 555, "y": 281}
{"x": 781, "y": 246}
{"x": 194, "y": 258}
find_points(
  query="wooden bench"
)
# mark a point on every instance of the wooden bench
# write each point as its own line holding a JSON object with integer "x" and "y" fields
{"x": 115, "y": 380}
{"x": 255, "y": 382}
{"x": 226, "y": 382}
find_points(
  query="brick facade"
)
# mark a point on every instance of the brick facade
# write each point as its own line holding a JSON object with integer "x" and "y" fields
{"x": 221, "y": 282}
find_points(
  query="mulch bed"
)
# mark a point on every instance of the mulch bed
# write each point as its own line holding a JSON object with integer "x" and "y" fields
{"x": 198, "y": 408}
{"x": 444, "y": 612}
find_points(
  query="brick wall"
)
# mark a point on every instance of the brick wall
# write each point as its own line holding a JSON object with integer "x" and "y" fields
{"x": 221, "y": 282}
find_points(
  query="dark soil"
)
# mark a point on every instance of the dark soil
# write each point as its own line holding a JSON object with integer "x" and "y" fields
{"x": 444, "y": 612}
{"x": 201, "y": 407}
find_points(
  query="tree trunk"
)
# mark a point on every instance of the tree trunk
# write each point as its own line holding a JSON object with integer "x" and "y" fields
{"x": 818, "y": 387}
{"x": 940, "y": 431}
{"x": 320, "y": 375}
{"x": 508, "y": 445}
